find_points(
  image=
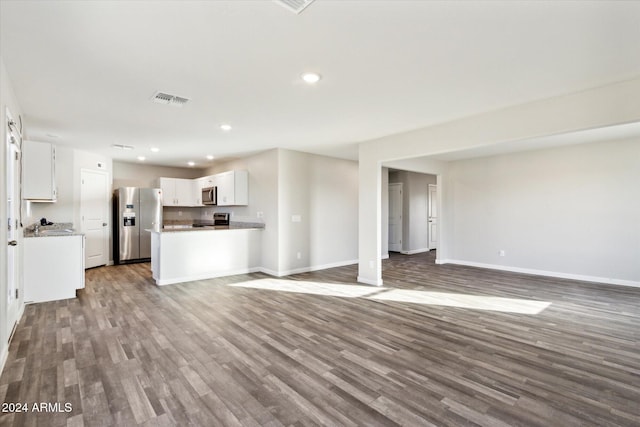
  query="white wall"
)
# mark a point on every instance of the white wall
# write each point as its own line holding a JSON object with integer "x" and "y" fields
{"x": 321, "y": 190}
{"x": 324, "y": 192}
{"x": 573, "y": 210}
{"x": 142, "y": 175}
{"x": 609, "y": 105}
{"x": 263, "y": 197}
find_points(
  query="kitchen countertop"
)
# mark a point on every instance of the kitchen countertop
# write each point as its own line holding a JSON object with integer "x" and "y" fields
{"x": 56, "y": 230}
{"x": 232, "y": 226}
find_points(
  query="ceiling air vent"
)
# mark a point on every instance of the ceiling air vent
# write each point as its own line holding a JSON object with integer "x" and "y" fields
{"x": 167, "y": 99}
{"x": 295, "y": 6}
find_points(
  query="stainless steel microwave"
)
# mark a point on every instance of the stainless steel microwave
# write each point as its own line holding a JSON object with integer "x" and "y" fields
{"x": 210, "y": 196}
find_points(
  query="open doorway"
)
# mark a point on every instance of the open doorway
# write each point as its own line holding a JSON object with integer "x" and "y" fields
{"x": 413, "y": 208}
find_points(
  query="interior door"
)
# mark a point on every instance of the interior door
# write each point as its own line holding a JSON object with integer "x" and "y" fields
{"x": 94, "y": 202}
{"x": 395, "y": 217}
{"x": 13, "y": 206}
{"x": 433, "y": 216}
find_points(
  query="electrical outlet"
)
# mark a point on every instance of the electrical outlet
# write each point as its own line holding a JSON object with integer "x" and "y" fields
{"x": 371, "y": 264}
{"x": 501, "y": 252}
{"x": 296, "y": 218}
{"x": 260, "y": 214}
{"x": 299, "y": 255}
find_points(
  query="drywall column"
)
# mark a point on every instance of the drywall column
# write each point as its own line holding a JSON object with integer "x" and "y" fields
{"x": 370, "y": 219}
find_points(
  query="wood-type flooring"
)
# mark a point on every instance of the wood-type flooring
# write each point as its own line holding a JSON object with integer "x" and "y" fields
{"x": 437, "y": 345}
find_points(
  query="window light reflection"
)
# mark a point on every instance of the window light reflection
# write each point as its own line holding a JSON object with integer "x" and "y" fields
{"x": 446, "y": 299}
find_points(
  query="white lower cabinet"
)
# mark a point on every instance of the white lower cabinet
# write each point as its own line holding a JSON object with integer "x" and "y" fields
{"x": 53, "y": 267}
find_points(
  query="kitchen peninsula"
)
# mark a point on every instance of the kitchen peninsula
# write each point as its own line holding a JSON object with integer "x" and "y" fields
{"x": 187, "y": 254}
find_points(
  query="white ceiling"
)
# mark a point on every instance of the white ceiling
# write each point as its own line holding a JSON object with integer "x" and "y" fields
{"x": 86, "y": 71}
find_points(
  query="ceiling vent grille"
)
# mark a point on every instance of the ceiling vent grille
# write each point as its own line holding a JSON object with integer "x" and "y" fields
{"x": 167, "y": 99}
{"x": 295, "y": 6}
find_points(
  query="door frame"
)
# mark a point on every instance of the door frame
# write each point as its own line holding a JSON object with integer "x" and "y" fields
{"x": 401, "y": 227}
{"x": 12, "y": 305}
{"x": 106, "y": 212}
{"x": 430, "y": 201}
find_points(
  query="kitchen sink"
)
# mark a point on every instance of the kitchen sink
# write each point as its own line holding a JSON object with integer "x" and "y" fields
{"x": 61, "y": 232}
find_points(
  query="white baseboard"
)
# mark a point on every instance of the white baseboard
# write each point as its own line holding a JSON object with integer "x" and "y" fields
{"x": 369, "y": 281}
{"x": 268, "y": 271}
{"x": 385, "y": 256}
{"x": 184, "y": 279}
{"x": 307, "y": 269}
{"x": 4, "y": 353}
{"x": 415, "y": 251}
{"x": 581, "y": 277}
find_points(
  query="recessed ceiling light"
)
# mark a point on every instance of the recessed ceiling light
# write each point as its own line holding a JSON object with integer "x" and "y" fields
{"x": 225, "y": 127}
{"x": 311, "y": 78}
{"x": 123, "y": 147}
{"x": 142, "y": 158}
{"x": 209, "y": 157}
{"x": 191, "y": 163}
{"x": 155, "y": 149}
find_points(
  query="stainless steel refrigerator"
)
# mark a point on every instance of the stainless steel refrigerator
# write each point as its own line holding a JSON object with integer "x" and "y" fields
{"x": 135, "y": 212}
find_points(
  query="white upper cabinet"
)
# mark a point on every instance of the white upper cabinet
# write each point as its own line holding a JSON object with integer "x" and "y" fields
{"x": 39, "y": 171}
{"x": 208, "y": 181}
{"x": 204, "y": 182}
{"x": 233, "y": 188}
{"x": 179, "y": 192}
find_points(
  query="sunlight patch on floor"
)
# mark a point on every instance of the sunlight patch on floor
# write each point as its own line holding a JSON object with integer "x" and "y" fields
{"x": 446, "y": 299}
{"x": 475, "y": 302}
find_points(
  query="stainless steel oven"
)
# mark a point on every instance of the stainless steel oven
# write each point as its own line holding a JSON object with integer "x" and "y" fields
{"x": 210, "y": 196}
{"x": 221, "y": 218}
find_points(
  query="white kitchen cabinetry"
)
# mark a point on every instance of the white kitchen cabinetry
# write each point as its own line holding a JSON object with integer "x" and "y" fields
{"x": 179, "y": 192}
{"x": 39, "y": 171}
{"x": 208, "y": 181}
{"x": 233, "y": 188}
{"x": 53, "y": 267}
{"x": 204, "y": 182}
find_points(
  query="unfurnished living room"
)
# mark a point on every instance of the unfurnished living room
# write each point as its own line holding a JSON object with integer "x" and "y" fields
{"x": 320, "y": 212}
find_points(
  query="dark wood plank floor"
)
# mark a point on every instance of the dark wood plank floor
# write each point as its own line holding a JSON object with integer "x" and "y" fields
{"x": 235, "y": 352}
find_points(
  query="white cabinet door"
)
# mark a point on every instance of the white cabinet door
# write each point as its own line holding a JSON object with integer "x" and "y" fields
{"x": 241, "y": 188}
{"x": 39, "y": 171}
{"x": 168, "y": 187}
{"x": 226, "y": 193}
{"x": 185, "y": 192}
{"x": 53, "y": 267}
{"x": 180, "y": 192}
{"x": 233, "y": 188}
{"x": 198, "y": 185}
